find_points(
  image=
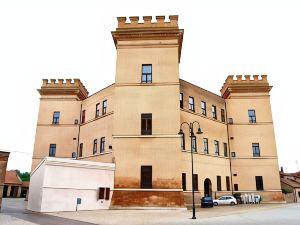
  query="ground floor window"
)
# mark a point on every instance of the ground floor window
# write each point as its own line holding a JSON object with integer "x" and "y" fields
{"x": 195, "y": 182}
{"x": 227, "y": 183}
{"x": 146, "y": 176}
{"x": 236, "y": 187}
{"x": 219, "y": 185}
{"x": 183, "y": 181}
{"x": 259, "y": 183}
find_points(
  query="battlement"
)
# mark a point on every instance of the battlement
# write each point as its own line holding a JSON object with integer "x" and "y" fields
{"x": 245, "y": 84}
{"x": 64, "y": 87}
{"x": 147, "y": 22}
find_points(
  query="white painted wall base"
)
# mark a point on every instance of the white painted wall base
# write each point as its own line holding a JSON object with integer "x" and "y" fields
{"x": 56, "y": 184}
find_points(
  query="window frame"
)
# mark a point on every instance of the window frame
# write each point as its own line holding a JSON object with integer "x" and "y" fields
{"x": 205, "y": 146}
{"x": 192, "y": 105}
{"x": 146, "y": 117}
{"x": 95, "y": 144}
{"x": 52, "y": 150}
{"x": 255, "y": 149}
{"x": 145, "y": 175}
{"x": 203, "y": 108}
{"x": 182, "y": 141}
{"x": 223, "y": 120}
{"x": 194, "y": 144}
{"x": 55, "y": 119}
{"x": 183, "y": 181}
{"x": 83, "y": 116}
{"x": 97, "y": 114}
{"x": 225, "y": 146}
{"x": 102, "y": 144}
{"x": 80, "y": 150}
{"x": 147, "y": 75}
{"x": 259, "y": 182}
{"x": 217, "y": 147}
{"x": 104, "y": 107}
{"x": 195, "y": 182}
{"x": 227, "y": 183}
{"x": 252, "y": 118}
{"x": 219, "y": 183}
{"x": 181, "y": 100}
{"x": 214, "y": 112}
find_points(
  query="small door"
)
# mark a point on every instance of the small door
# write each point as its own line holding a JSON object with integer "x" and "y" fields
{"x": 146, "y": 176}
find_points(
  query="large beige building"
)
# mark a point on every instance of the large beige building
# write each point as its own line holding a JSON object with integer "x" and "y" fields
{"x": 135, "y": 124}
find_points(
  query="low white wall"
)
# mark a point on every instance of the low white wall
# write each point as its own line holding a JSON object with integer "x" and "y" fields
{"x": 65, "y": 180}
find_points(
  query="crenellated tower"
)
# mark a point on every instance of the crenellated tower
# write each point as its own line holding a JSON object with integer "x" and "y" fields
{"x": 252, "y": 143}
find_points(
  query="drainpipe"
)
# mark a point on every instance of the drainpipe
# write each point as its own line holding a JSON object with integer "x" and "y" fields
{"x": 228, "y": 140}
{"x": 79, "y": 121}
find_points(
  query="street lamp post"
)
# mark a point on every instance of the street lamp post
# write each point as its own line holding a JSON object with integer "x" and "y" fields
{"x": 192, "y": 135}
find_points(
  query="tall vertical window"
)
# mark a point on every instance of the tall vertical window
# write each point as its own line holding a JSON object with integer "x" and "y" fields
{"x": 256, "y": 150}
{"x": 104, "y": 107}
{"x": 95, "y": 146}
{"x": 236, "y": 187}
{"x": 203, "y": 108}
{"x": 205, "y": 145}
{"x": 97, "y": 110}
{"x": 182, "y": 142}
{"x": 52, "y": 150}
{"x": 219, "y": 185}
{"x": 56, "y": 118}
{"x": 83, "y": 116}
{"x": 146, "y": 176}
{"x": 194, "y": 144}
{"x": 259, "y": 183}
{"x": 181, "y": 100}
{"x": 223, "y": 115}
{"x": 216, "y": 147}
{"x": 214, "y": 112}
{"x": 146, "y": 124}
{"x": 183, "y": 181}
{"x": 227, "y": 183}
{"x": 147, "y": 73}
{"x": 252, "y": 116}
{"x": 195, "y": 182}
{"x": 80, "y": 150}
{"x": 191, "y": 104}
{"x": 225, "y": 150}
{"x": 102, "y": 144}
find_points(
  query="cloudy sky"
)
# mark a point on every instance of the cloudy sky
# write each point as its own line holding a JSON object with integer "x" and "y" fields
{"x": 71, "y": 39}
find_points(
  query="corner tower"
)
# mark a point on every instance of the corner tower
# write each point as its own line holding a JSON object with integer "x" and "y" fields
{"x": 252, "y": 141}
{"x": 146, "y": 113}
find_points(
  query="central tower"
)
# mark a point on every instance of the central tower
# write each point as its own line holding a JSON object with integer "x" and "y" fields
{"x": 147, "y": 113}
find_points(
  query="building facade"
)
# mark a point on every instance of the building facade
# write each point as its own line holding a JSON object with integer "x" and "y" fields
{"x": 135, "y": 124}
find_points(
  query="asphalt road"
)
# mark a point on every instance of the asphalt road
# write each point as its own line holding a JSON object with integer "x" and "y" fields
{"x": 280, "y": 214}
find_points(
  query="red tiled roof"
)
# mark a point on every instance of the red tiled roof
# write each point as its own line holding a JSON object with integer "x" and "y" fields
{"x": 290, "y": 182}
{"x": 11, "y": 177}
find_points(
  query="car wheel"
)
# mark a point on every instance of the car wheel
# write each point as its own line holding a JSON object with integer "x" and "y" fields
{"x": 232, "y": 203}
{"x": 215, "y": 203}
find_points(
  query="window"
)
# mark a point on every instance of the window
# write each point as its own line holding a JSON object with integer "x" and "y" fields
{"x": 182, "y": 142}
{"x": 219, "y": 185}
{"x": 232, "y": 154}
{"x": 80, "y": 149}
{"x": 101, "y": 193}
{"x": 52, "y": 150}
{"x": 194, "y": 144}
{"x": 256, "y": 150}
{"x": 181, "y": 100}
{"x": 107, "y": 193}
{"x": 216, "y": 147}
{"x": 236, "y": 187}
{"x": 195, "y": 181}
{"x": 214, "y": 112}
{"x": 56, "y": 118}
{"x": 146, "y": 124}
{"x": 225, "y": 150}
{"x": 104, "y": 107}
{"x": 259, "y": 183}
{"x": 203, "y": 108}
{"x": 227, "y": 183}
{"x": 299, "y": 194}
{"x": 83, "y": 117}
{"x": 223, "y": 115}
{"x": 147, "y": 73}
{"x": 183, "y": 181}
{"x": 95, "y": 146}
{"x": 146, "y": 176}
{"x": 102, "y": 144}
{"x": 205, "y": 144}
{"x": 191, "y": 104}
{"x": 252, "y": 117}
{"x": 97, "y": 110}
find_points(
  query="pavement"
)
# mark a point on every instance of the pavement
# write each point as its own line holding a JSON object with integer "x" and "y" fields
{"x": 14, "y": 213}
